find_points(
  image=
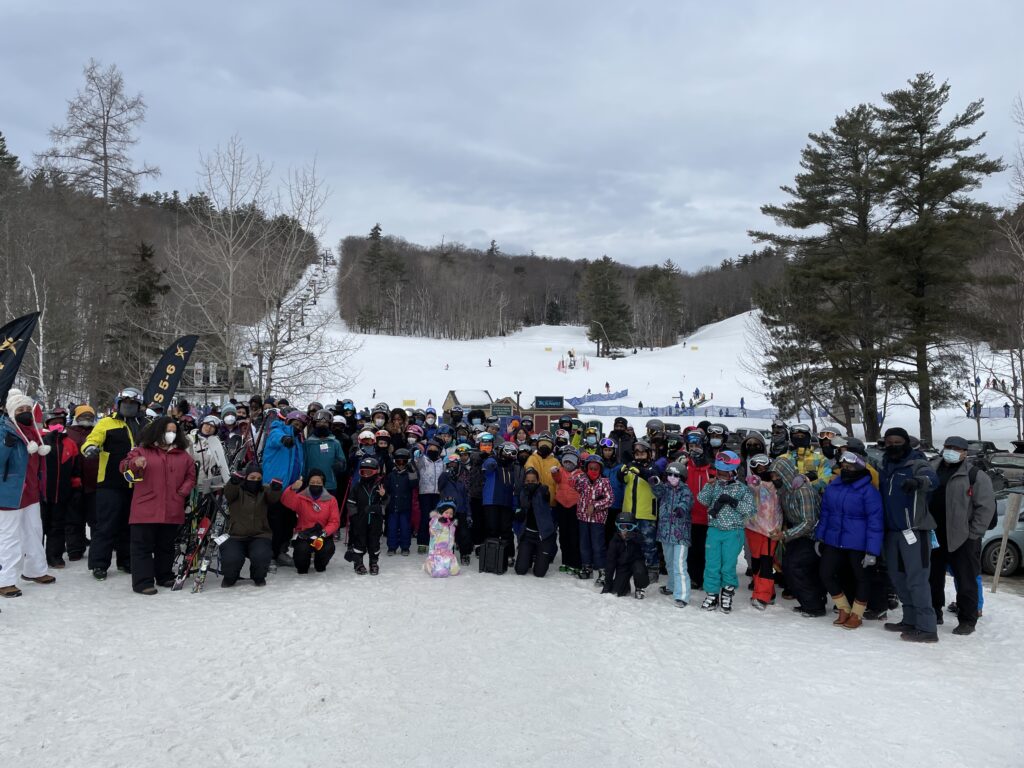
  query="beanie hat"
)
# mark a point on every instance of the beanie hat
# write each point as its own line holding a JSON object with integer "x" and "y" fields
{"x": 898, "y": 432}
{"x": 251, "y": 467}
{"x": 83, "y": 410}
{"x": 226, "y": 409}
{"x": 17, "y": 399}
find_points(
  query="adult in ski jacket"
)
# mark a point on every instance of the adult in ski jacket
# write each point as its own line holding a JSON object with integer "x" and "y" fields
{"x": 851, "y": 516}
{"x": 542, "y": 461}
{"x": 82, "y": 509}
{"x": 317, "y": 520}
{"x": 499, "y": 482}
{"x": 537, "y": 543}
{"x": 326, "y": 455}
{"x": 800, "y": 563}
{"x": 207, "y": 452}
{"x": 282, "y": 453}
{"x": 429, "y": 468}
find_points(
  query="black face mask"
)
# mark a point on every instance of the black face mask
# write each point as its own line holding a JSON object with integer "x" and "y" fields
{"x": 321, "y": 431}
{"x": 128, "y": 410}
{"x": 25, "y": 418}
{"x": 829, "y": 451}
{"x": 897, "y": 452}
{"x": 432, "y": 455}
{"x": 521, "y": 458}
{"x": 801, "y": 441}
{"x": 544, "y": 451}
{"x": 252, "y": 486}
{"x": 850, "y": 475}
{"x": 315, "y": 491}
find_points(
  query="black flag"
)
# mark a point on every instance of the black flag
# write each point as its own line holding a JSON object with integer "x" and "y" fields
{"x": 13, "y": 342}
{"x": 167, "y": 374}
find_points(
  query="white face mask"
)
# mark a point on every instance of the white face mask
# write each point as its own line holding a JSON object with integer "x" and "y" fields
{"x": 951, "y": 457}
{"x": 673, "y": 480}
{"x": 170, "y": 437}
{"x": 410, "y": 440}
{"x": 378, "y": 422}
{"x": 229, "y": 420}
{"x": 431, "y": 421}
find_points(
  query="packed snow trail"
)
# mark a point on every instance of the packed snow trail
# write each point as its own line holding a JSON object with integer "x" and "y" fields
{"x": 400, "y": 669}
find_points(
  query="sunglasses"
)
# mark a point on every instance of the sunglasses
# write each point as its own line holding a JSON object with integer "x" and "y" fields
{"x": 626, "y": 527}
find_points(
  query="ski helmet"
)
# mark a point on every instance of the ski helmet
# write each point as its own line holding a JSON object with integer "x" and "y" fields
{"x": 366, "y": 437}
{"x": 324, "y": 415}
{"x": 415, "y": 430}
{"x": 508, "y": 449}
{"x": 655, "y": 425}
{"x": 402, "y": 454}
{"x": 727, "y": 461}
{"x": 368, "y": 466}
{"x": 676, "y": 468}
{"x": 298, "y": 416}
{"x": 129, "y": 394}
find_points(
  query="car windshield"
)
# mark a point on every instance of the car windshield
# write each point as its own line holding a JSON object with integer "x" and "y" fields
{"x": 1017, "y": 462}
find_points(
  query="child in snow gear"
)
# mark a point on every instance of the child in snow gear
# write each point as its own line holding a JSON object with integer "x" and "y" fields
{"x": 675, "y": 501}
{"x": 638, "y": 501}
{"x": 441, "y": 561}
{"x": 699, "y": 472}
{"x": 595, "y": 497}
{"x": 400, "y": 485}
{"x": 248, "y": 529}
{"x": 22, "y": 484}
{"x": 284, "y": 460}
{"x": 537, "y": 545}
{"x": 317, "y": 520}
{"x": 82, "y": 509}
{"x": 429, "y": 467}
{"x": 730, "y": 504}
{"x": 367, "y": 502}
{"x": 800, "y": 566}
{"x": 164, "y": 476}
{"x": 610, "y": 469}
{"x": 566, "y": 499}
{"x": 207, "y": 452}
{"x": 63, "y": 481}
{"x": 625, "y": 560}
{"x": 849, "y": 531}
{"x": 760, "y": 528}
{"x": 808, "y": 462}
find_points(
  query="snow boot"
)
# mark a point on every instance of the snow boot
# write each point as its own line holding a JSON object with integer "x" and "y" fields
{"x": 664, "y": 590}
{"x": 374, "y": 568}
{"x": 680, "y": 603}
{"x": 11, "y": 591}
{"x": 405, "y": 553}
{"x": 938, "y": 616}
{"x": 856, "y": 616}
{"x": 585, "y": 573}
{"x": 917, "y": 636}
{"x": 465, "y": 560}
{"x": 758, "y": 605}
{"x": 710, "y": 603}
{"x": 843, "y": 605}
{"x": 952, "y": 608}
{"x": 898, "y": 626}
{"x": 421, "y": 549}
{"x": 893, "y": 601}
{"x": 727, "y": 595}
{"x": 357, "y": 562}
{"x": 599, "y": 581}
{"x": 875, "y": 615}
{"x": 227, "y": 581}
{"x": 146, "y": 591}
{"x": 285, "y": 560}
{"x": 392, "y": 552}
{"x": 640, "y": 594}
{"x": 260, "y": 582}
{"x": 963, "y": 629}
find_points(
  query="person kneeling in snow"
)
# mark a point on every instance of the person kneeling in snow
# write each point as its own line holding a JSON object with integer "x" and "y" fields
{"x": 317, "y": 520}
{"x": 537, "y": 545}
{"x": 248, "y": 526}
{"x": 626, "y": 559}
{"x": 441, "y": 560}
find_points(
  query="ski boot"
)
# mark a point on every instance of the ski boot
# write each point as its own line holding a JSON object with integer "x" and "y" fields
{"x": 599, "y": 581}
{"x": 710, "y": 602}
{"x": 585, "y": 573}
{"x": 465, "y": 560}
{"x": 727, "y": 595}
{"x": 640, "y": 594}
{"x": 664, "y": 590}
{"x": 374, "y": 567}
{"x": 758, "y": 605}
{"x": 421, "y": 549}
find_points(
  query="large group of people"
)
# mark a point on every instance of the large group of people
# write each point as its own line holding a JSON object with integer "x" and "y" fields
{"x": 813, "y": 518}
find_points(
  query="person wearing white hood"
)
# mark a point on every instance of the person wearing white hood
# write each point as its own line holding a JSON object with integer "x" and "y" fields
{"x": 22, "y": 484}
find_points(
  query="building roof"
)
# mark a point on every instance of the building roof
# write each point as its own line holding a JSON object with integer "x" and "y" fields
{"x": 466, "y": 397}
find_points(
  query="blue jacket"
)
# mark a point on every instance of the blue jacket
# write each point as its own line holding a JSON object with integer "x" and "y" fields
{"x": 905, "y": 510}
{"x": 279, "y": 461}
{"x": 325, "y": 454}
{"x": 13, "y": 465}
{"x": 535, "y": 497}
{"x": 454, "y": 490}
{"x": 400, "y": 487}
{"x": 499, "y": 483}
{"x": 851, "y": 516}
{"x": 674, "y": 513}
{"x": 618, "y": 487}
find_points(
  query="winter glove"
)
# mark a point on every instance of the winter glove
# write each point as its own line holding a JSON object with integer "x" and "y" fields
{"x": 236, "y": 478}
{"x": 654, "y": 480}
{"x": 868, "y": 561}
{"x": 10, "y": 440}
{"x": 725, "y": 500}
{"x": 635, "y": 471}
{"x": 520, "y": 516}
{"x": 817, "y": 548}
{"x": 312, "y": 532}
{"x": 287, "y": 441}
{"x": 33, "y": 447}
{"x": 90, "y": 451}
{"x": 910, "y": 485}
{"x": 276, "y": 485}
{"x": 812, "y": 475}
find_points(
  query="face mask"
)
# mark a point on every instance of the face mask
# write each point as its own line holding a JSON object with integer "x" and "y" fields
{"x": 673, "y": 480}
{"x": 544, "y": 451}
{"x": 452, "y": 469}
{"x": 170, "y": 437}
{"x": 850, "y": 475}
{"x": 829, "y": 451}
{"x": 476, "y": 422}
{"x": 378, "y": 422}
{"x": 253, "y": 486}
{"x": 750, "y": 449}
{"x": 951, "y": 456}
{"x": 410, "y": 440}
{"x": 315, "y": 491}
{"x": 593, "y": 474}
{"x": 87, "y": 423}
{"x": 56, "y": 427}
{"x": 128, "y": 410}
{"x": 321, "y": 431}
{"x": 696, "y": 451}
{"x": 432, "y": 455}
{"x": 521, "y": 458}
{"x": 431, "y": 421}
{"x": 25, "y": 418}
{"x": 591, "y": 440}
{"x": 801, "y": 441}
{"x": 229, "y": 420}
{"x": 896, "y": 452}
{"x": 715, "y": 442}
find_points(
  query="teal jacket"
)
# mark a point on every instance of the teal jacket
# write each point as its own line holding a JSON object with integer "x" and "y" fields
{"x": 325, "y": 454}
{"x": 728, "y": 517}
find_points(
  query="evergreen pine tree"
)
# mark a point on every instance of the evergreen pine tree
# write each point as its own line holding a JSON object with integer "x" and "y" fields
{"x": 602, "y": 305}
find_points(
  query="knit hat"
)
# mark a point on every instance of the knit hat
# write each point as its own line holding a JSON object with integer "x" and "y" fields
{"x": 17, "y": 399}
{"x": 82, "y": 410}
{"x": 251, "y": 467}
{"x": 226, "y": 409}
{"x": 898, "y": 432}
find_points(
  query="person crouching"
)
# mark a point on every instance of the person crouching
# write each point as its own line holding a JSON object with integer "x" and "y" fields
{"x": 441, "y": 560}
{"x": 248, "y": 527}
{"x": 625, "y": 559}
{"x": 317, "y": 521}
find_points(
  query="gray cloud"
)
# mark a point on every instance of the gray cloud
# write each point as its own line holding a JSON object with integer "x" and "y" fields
{"x": 645, "y": 131}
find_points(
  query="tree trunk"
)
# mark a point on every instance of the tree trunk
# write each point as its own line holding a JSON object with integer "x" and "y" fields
{"x": 924, "y": 392}
{"x": 872, "y": 430}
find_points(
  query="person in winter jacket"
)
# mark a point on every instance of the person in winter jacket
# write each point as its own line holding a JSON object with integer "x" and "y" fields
{"x": 429, "y": 468}
{"x": 283, "y": 460}
{"x": 208, "y": 453}
{"x": 163, "y": 475}
{"x": 963, "y": 505}
{"x": 760, "y": 528}
{"x": 82, "y": 509}
{"x": 808, "y": 462}
{"x": 110, "y": 441}
{"x": 595, "y": 497}
{"x": 441, "y": 561}
{"x": 248, "y": 529}
{"x": 566, "y": 498}
{"x": 63, "y": 481}
{"x": 537, "y": 542}
{"x": 322, "y": 450}
{"x": 626, "y": 560}
{"x": 316, "y": 522}
{"x": 906, "y": 480}
{"x": 730, "y": 505}
{"x": 850, "y": 532}
{"x": 400, "y": 485}
{"x": 800, "y": 563}
{"x": 499, "y": 494}
{"x": 675, "y": 503}
{"x": 638, "y": 501}
{"x": 699, "y": 472}
{"x": 779, "y": 443}
{"x": 367, "y": 502}
{"x": 454, "y": 486}
{"x": 623, "y": 436}
{"x": 543, "y": 461}
{"x": 22, "y": 484}
{"x": 611, "y": 464}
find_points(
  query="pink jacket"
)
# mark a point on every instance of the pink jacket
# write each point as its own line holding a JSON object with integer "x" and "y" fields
{"x": 769, "y": 508}
{"x": 596, "y": 496}
{"x": 167, "y": 480}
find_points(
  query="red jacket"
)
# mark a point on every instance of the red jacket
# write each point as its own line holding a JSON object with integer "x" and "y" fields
{"x": 89, "y": 468}
{"x": 62, "y": 467}
{"x": 167, "y": 480}
{"x": 565, "y": 488}
{"x": 311, "y": 511}
{"x": 697, "y": 477}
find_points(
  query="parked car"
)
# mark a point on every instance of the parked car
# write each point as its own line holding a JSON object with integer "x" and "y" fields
{"x": 1010, "y": 464}
{"x": 991, "y": 540}
{"x": 974, "y": 447}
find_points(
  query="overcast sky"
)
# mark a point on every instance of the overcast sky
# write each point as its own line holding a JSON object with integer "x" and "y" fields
{"x": 644, "y": 130}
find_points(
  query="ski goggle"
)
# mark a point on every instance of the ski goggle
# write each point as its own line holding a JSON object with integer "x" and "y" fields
{"x": 849, "y": 457}
{"x": 607, "y": 443}
{"x": 827, "y": 434}
{"x": 626, "y": 527}
{"x": 694, "y": 437}
{"x": 799, "y": 428}
{"x": 716, "y": 429}
{"x": 760, "y": 461}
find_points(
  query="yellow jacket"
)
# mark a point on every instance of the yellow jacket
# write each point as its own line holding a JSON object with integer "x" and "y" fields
{"x": 543, "y": 467}
{"x": 114, "y": 439}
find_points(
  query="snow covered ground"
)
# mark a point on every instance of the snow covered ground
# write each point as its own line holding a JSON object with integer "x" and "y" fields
{"x": 400, "y": 669}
